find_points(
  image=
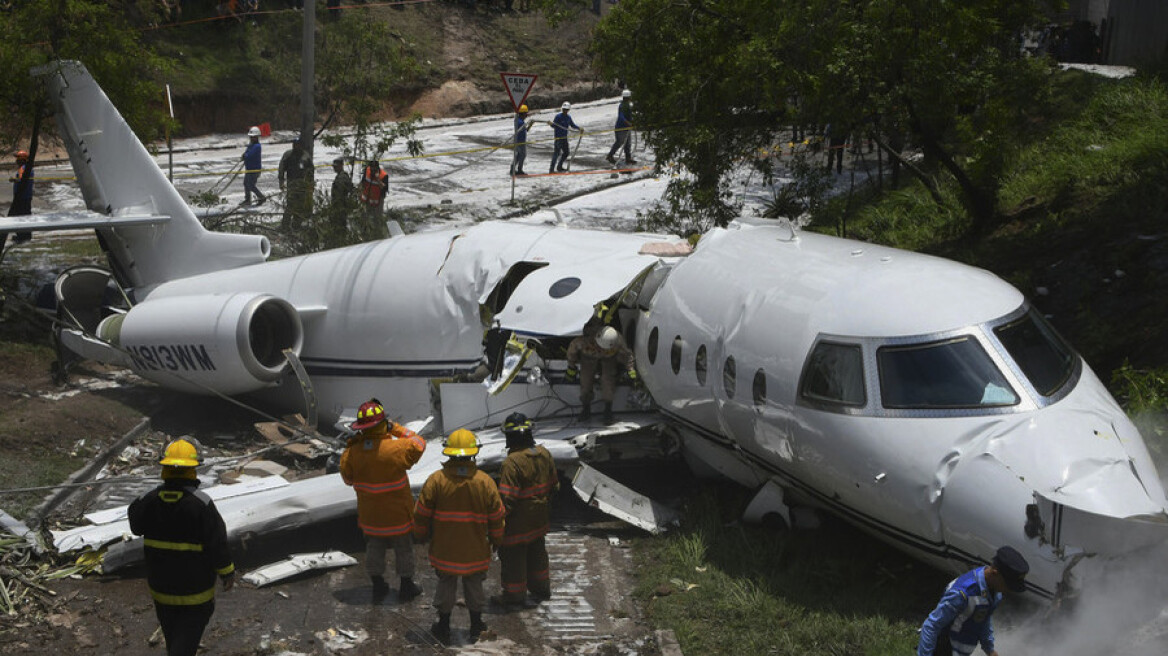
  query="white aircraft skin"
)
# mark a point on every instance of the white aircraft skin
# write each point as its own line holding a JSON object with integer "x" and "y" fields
{"x": 826, "y": 336}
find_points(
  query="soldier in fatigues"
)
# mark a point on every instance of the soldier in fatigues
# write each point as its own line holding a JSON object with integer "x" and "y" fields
{"x": 606, "y": 350}
{"x": 527, "y": 482}
{"x": 459, "y": 510}
{"x": 375, "y": 463}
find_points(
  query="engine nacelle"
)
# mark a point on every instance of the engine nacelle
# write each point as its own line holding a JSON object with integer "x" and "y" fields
{"x": 227, "y": 343}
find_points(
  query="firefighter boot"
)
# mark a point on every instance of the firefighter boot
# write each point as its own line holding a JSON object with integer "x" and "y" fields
{"x": 441, "y": 628}
{"x": 380, "y": 588}
{"x": 608, "y": 420}
{"x": 408, "y": 589}
{"x": 586, "y": 412}
{"x": 476, "y": 625}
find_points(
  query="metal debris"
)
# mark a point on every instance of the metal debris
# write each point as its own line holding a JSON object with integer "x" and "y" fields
{"x": 298, "y": 564}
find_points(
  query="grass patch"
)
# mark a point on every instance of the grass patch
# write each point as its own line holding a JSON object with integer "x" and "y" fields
{"x": 734, "y": 589}
{"x": 39, "y": 468}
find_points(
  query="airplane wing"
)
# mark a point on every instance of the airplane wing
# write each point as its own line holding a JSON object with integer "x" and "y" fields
{"x": 76, "y": 221}
{"x": 272, "y": 504}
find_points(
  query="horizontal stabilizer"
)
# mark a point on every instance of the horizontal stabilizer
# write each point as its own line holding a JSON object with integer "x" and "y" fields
{"x": 76, "y": 221}
{"x": 94, "y": 349}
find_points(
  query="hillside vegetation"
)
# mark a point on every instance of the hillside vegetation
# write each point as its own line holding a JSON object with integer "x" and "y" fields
{"x": 447, "y": 59}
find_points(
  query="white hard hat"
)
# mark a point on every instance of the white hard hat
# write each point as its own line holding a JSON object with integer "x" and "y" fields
{"x": 566, "y": 106}
{"x": 626, "y": 93}
{"x": 253, "y": 131}
{"x": 607, "y": 337}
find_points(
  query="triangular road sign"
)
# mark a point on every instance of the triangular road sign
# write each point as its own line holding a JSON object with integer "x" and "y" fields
{"x": 518, "y": 86}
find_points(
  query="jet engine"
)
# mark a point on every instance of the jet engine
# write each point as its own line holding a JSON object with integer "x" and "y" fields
{"x": 226, "y": 343}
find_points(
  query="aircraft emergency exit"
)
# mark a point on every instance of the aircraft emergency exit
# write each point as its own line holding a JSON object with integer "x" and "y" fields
{"x": 924, "y": 401}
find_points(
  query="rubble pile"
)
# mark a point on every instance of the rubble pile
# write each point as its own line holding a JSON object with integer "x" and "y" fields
{"x": 24, "y": 579}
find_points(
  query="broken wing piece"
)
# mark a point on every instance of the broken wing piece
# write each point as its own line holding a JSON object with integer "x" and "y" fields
{"x": 297, "y": 564}
{"x": 613, "y": 498}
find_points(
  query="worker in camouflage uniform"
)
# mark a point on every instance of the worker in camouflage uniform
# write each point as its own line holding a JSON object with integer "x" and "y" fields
{"x": 607, "y": 351}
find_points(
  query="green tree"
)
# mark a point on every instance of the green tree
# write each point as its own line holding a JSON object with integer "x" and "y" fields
{"x": 97, "y": 33}
{"x": 717, "y": 80}
{"x": 355, "y": 78}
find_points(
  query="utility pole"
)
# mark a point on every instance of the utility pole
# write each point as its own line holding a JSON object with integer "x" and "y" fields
{"x": 307, "y": 77}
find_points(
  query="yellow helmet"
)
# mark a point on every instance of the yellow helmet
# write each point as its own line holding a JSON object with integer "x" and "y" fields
{"x": 180, "y": 453}
{"x": 523, "y": 109}
{"x": 461, "y": 443}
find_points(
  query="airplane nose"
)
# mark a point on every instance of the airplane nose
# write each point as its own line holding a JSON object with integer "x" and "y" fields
{"x": 1056, "y": 486}
{"x": 1086, "y": 459}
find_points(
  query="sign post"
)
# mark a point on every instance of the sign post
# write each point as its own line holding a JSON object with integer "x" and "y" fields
{"x": 518, "y": 86}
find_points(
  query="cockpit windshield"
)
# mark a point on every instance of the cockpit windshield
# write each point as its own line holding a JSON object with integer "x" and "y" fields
{"x": 1041, "y": 354}
{"x": 951, "y": 373}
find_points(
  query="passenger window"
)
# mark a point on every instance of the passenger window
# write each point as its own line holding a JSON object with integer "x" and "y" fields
{"x": 675, "y": 355}
{"x": 834, "y": 374}
{"x": 651, "y": 346}
{"x": 700, "y": 365}
{"x": 729, "y": 377}
{"x": 759, "y": 390}
{"x": 955, "y": 373}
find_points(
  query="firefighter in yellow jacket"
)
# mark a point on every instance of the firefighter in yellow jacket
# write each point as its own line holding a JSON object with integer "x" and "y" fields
{"x": 375, "y": 464}
{"x": 527, "y": 482}
{"x": 460, "y": 512}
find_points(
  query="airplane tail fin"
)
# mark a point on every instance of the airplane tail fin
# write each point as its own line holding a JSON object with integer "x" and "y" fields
{"x": 118, "y": 177}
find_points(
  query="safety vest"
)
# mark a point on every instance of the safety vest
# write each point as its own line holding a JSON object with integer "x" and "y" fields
{"x": 373, "y": 190}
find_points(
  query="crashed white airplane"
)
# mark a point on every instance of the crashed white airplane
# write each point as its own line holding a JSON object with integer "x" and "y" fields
{"x": 922, "y": 400}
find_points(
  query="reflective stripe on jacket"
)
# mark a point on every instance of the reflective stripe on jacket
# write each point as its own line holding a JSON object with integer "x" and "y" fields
{"x": 375, "y": 465}
{"x": 185, "y": 542}
{"x": 527, "y": 481}
{"x": 460, "y": 509}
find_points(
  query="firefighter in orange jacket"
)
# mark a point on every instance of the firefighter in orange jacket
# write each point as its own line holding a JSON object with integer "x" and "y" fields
{"x": 527, "y": 482}
{"x": 375, "y": 463}
{"x": 374, "y": 185}
{"x": 460, "y": 512}
{"x": 185, "y": 544}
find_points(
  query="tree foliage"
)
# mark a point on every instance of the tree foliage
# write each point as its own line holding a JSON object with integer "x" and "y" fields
{"x": 355, "y": 77}
{"x": 717, "y": 80}
{"x": 105, "y": 35}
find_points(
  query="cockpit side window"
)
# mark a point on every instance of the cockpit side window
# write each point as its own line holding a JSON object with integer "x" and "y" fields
{"x": 953, "y": 373}
{"x": 1041, "y": 354}
{"x": 834, "y": 376}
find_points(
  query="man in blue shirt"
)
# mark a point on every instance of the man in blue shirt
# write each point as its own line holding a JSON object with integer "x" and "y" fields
{"x": 560, "y": 125}
{"x": 521, "y": 127}
{"x": 624, "y": 130}
{"x": 252, "y": 163}
{"x": 964, "y": 617}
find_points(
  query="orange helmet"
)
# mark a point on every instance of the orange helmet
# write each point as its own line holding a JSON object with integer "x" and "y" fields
{"x": 368, "y": 415}
{"x": 22, "y": 154}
